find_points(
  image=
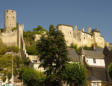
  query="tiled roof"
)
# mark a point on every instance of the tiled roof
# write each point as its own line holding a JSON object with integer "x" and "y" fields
{"x": 93, "y": 53}
{"x": 72, "y": 55}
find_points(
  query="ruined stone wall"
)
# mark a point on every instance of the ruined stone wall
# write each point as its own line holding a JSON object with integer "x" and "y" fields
{"x": 9, "y": 38}
{"x": 20, "y": 36}
{"x": 81, "y": 38}
{"x": 13, "y": 38}
{"x": 86, "y": 39}
{"x": 99, "y": 40}
{"x": 68, "y": 33}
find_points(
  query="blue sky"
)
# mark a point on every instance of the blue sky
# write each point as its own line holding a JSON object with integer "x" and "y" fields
{"x": 83, "y": 13}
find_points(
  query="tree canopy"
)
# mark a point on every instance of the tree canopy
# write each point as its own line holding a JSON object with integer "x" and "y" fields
{"x": 39, "y": 30}
{"x": 52, "y": 51}
{"x": 32, "y": 77}
{"x": 74, "y": 74}
{"x": 29, "y": 38}
{"x": 6, "y": 65}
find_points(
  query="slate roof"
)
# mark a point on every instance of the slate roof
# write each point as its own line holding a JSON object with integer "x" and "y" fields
{"x": 98, "y": 53}
{"x": 72, "y": 55}
{"x": 95, "y": 30}
{"x": 96, "y": 74}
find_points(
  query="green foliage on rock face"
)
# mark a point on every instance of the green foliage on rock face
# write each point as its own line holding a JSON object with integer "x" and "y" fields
{"x": 4, "y": 48}
{"x": 87, "y": 48}
{"x": 13, "y": 49}
{"x": 110, "y": 70}
{"x": 75, "y": 74}
{"x": 30, "y": 43}
{"x": 32, "y": 77}
{"x": 29, "y": 38}
{"x": 39, "y": 30}
{"x": 77, "y": 49}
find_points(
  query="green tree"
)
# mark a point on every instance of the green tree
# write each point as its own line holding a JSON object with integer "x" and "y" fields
{"x": 110, "y": 70}
{"x": 39, "y": 30}
{"x": 4, "y": 48}
{"x": 30, "y": 43}
{"x": 74, "y": 74}
{"x": 6, "y": 65}
{"x": 32, "y": 77}
{"x": 77, "y": 49}
{"x": 52, "y": 51}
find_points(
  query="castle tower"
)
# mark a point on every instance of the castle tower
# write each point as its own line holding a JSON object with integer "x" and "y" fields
{"x": 89, "y": 29}
{"x": 10, "y": 19}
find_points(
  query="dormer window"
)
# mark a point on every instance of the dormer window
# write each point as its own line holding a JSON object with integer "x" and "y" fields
{"x": 94, "y": 60}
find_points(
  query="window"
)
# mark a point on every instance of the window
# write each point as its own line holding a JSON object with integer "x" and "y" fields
{"x": 95, "y": 84}
{"x": 84, "y": 37}
{"x": 94, "y": 60}
{"x": 13, "y": 17}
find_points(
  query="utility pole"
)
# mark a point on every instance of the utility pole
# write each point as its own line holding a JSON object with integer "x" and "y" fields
{"x": 12, "y": 73}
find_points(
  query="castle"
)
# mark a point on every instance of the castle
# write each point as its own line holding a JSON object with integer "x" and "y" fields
{"x": 12, "y": 34}
{"x": 82, "y": 38}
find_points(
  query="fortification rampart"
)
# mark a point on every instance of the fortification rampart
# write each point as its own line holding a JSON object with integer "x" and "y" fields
{"x": 9, "y": 38}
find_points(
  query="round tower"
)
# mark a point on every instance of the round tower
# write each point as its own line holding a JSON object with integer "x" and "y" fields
{"x": 10, "y": 20}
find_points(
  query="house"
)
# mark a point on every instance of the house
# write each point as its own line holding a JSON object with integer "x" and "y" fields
{"x": 94, "y": 61}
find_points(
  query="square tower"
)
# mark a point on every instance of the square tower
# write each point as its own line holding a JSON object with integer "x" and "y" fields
{"x": 10, "y": 20}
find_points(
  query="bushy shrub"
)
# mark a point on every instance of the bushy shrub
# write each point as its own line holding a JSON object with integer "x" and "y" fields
{"x": 31, "y": 77}
{"x": 77, "y": 49}
{"x": 75, "y": 74}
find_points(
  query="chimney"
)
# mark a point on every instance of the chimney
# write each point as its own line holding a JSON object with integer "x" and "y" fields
{"x": 94, "y": 46}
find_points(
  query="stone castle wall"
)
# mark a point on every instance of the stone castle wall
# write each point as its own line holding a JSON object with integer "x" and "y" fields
{"x": 13, "y": 38}
{"x": 9, "y": 38}
{"x": 81, "y": 38}
{"x": 68, "y": 33}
